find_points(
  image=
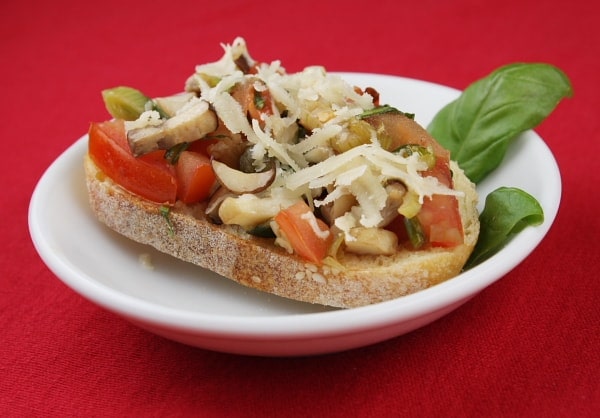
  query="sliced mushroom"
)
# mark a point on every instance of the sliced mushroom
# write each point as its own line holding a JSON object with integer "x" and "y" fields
{"x": 193, "y": 122}
{"x": 338, "y": 207}
{"x": 396, "y": 192}
{"x": 212, "y": 209}
{"x": 170, "y": 105}
{"x": 229, "y": 148}
{"x": 248, "y": 210}
{"x": 375, "y": 241}
{"x": 240, "y": 182}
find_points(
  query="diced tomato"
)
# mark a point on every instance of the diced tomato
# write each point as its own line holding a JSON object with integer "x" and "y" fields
{"x": 439, "y": 216}
{"x": 202, "y": 146}
{"x": 441, "y": 170}
{"x": 298, "y": 224}
{"x": 195, "y": 177}
{"x": 440, "y": 219}
{"x": 254, "y": 103}
{"x": 149, "y": 176}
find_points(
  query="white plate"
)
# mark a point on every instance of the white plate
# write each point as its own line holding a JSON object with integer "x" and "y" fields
{"x": 187, "y": 304}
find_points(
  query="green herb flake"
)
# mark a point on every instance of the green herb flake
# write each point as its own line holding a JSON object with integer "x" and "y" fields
{"x": 165, "y": 212}
{"x": 173, "y": 153}
{"x": 378, "y": 111}
{"x": 259, "y": 100}
{"x": 157, "y": 108}
{"x": 426, "y": 153}
{"x": 415, "y": 232}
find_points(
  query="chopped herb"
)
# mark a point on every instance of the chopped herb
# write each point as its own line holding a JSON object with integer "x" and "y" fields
{"x": 218, "y": 136}
{"x": 384, "y": 109}
{"x": 263, "y": 230}
{"x": 415, "y": 232}
{"x": 173, "y": 153}
{"x": 165, "y": 212}
{"x": 426, "y": 153}
{"x": 259, "y": 100}
{"x": 161, "y": 112}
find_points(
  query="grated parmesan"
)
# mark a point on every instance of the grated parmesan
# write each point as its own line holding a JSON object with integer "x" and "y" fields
{"x": 312, "y": 221}
{"x": 324, "y": 104}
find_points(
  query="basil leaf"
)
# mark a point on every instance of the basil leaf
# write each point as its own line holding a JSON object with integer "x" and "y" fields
{"x": 507, "y": 212}
{"x": 478, "y": 126}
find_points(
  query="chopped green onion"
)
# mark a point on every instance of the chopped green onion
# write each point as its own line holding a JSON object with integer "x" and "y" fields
{"x": 124, "y": 102}
{"x": 127, "y": 103}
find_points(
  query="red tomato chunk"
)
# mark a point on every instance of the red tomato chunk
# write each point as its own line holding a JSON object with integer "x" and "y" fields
{"x": 298, "y": 225}
{"x": 149, "y": 176}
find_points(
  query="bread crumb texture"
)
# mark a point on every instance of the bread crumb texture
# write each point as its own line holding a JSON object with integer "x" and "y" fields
{"x": 260, "y": 264}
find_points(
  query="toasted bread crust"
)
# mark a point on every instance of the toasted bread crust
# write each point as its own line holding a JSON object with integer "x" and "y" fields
{"x": 260, "y": 264}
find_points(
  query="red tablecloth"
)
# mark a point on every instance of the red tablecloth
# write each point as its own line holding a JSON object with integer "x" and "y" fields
{"x": 526, "y": 346}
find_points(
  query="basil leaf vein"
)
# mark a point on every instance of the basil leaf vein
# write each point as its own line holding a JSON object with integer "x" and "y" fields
{"x": 480, "y": 124}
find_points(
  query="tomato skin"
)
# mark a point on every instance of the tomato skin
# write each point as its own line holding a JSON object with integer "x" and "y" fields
{"x": 301, "y": 235}
{"x": 150, "y": 176}
{"x": 195, "y": 177}
{"x": 440, "y": 219}
{"x": 439, "y": 216}
{"x": 202, "y": 146}
{"x": 249, "y": 98}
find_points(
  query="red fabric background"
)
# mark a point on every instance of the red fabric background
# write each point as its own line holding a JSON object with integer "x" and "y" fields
{"x": 526, "y": 346}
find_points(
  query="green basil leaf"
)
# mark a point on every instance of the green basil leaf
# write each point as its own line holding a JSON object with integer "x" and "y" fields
{"x": 479, "y": 125}
{"x": 507, "y": 212}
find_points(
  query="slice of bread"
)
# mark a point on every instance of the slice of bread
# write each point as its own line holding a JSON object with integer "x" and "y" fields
{"x": 258, "y": 263}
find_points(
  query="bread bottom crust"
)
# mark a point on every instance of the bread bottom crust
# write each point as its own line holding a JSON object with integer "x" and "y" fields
{"x": 260, "y": 264}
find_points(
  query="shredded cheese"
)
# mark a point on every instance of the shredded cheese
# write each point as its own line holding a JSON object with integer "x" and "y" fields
{"x": 312, "y": 221}
{"x": 146, "y": 119}
{"x": 325, "y": 105}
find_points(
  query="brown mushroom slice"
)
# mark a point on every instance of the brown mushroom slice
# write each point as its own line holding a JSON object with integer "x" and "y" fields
{"x": 240, "y": 182}
{"x": 170, "y": 105}
{"x": 396, "y": 192}
{"x": 191, "y": 123}
{"x": 212, "y": 208}
{"x": 337, "y": 208}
